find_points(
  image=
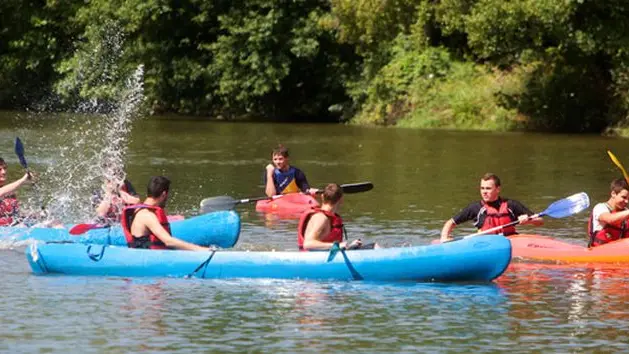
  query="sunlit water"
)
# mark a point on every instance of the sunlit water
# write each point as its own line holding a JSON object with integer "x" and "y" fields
{"x": 421, "y": 179}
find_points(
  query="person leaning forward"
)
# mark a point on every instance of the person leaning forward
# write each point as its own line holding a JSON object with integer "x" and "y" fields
{"x": 146, "y": 225}
{"x": 491, "y": 211}
{"x": 608, "y": 221}
{"x": 320, "y": 228}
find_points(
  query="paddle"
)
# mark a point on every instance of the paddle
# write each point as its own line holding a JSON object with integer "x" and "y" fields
{"x": 227, "y": 203}
{"x": 334, "y": 250}
{"x": 617, "y": 163}
{"x": 19, "y": 151}
{"x": 80, "y": 229}
{"x": 559, "y": 209}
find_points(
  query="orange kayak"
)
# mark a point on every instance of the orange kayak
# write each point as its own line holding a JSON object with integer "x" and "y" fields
{"x": 543, "y": 248}
{"x": 288, "y": 204}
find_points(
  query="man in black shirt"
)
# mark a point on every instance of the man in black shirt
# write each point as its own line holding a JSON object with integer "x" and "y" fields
{"x": 491, "y": 211}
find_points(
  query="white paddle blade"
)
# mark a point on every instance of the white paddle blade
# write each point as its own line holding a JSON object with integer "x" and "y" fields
{"x": 568, "y": 206}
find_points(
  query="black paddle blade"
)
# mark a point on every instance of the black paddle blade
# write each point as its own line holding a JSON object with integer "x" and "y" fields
{"x": 223, "y": 202}
{"x": 357, "y": 187}
{"x": 19, "y": 151}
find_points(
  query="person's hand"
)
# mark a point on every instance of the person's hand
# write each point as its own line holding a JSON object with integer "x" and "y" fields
{"x": 312, "y": 191}
{"x": 445, "y": 238}
{"x": 30, "y": 177}
{"x": 352, "y": 245}
{"x": 524, "y": 219}
{"x": 270, "y": 168}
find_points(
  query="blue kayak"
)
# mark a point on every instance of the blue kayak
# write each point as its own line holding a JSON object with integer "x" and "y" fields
{"x": 481, "y": 258}
{"x": 220, "y": 228}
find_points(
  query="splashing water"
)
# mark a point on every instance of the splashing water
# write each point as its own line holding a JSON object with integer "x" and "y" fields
{"x": 93, "y": 137}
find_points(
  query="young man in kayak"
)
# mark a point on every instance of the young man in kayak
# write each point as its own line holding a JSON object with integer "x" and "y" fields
{"x": 281, "y": 178}
{"x": 9, "y": 206}
{"x": 146, "y": 225}
{"x": 491, "y": 211}
{"x": 109, "y": 204}
{"x": 321, "y": 227}
{"x": 608, "y": 221}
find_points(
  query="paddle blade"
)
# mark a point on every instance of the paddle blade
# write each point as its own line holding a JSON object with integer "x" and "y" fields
{"x": 618, "y": 164}
{"x": 357, "y": 187}
{"x": 333, "y": 251}
{"x": 83, "y": 228}
{"x": 19, "y": 151}
{"x": 567, "y": 206}
{"x": 223, "y": 202}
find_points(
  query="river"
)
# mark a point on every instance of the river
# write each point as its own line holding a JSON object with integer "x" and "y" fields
{"x": 421, "y": 179}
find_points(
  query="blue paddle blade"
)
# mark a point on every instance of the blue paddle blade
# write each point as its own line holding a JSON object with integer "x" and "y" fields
{"x": 333, "y": 251}
{"x": 567, "y": 206}
{"x": 19, "y": 151}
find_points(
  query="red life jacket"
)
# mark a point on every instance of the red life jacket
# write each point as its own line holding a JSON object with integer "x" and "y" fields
{"x": 336, "y": 227}
{"x": 490, "y": 218}
{"x": 150, "y": 241}
{"x": 609, "y": 232}
{"x": 9, "y": 209}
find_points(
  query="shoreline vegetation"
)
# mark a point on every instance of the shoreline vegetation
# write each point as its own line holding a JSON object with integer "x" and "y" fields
{"x": 525, "y": 65}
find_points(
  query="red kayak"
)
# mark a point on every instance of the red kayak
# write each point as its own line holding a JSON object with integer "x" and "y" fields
{"x": 292, "y": 204}
{"x": 543, "y": 248}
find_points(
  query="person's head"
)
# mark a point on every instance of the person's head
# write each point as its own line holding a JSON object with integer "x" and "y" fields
{"x": 280, "y": 157}
{"x": 332, "y": 194}
{"x": 619, "y": 194}
{"x": 489, "y": 187}
{"x": 3, "y": 171}
{"x": 158, "y": 189}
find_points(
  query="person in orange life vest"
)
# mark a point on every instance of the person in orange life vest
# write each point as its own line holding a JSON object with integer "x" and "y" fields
{"x": 321, "y": 227}
{"x": 491, "y": 211}
{"x": 608, "y": 221}
{"x": 109, "y": 204}
{"x": 146, "y": 226}
{"x": 281, "y": 178}
{"x": 9, "y": 207}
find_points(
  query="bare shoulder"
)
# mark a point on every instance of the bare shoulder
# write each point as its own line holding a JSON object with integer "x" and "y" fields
{"x": 145, "y": 215}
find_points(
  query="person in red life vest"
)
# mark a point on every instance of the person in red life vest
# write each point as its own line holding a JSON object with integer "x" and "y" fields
{"x": 281, "y": 178}
{"x": 109, "y": 204}
{"x": 320, "y": 228}
{"x": 146, "y": 225}
{"x": 9, "y": 207}
{"x": 608, "y": 221}
{"x": 491, "y": 211}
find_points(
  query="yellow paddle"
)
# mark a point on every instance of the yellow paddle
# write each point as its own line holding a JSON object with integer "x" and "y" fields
{"x": 617, "y": 163}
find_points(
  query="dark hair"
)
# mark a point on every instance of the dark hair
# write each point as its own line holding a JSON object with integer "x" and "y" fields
{"x": 280, "y": 150}
{"x": 490, "y": 176}
{"x": 618, "y": 185}
{"x": 332, "y": 193}
{"x": 2, "y": 162}
{"x": 157, "y": 186}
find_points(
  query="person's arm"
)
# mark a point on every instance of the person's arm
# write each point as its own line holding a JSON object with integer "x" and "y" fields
{"x": 523, "y": 214}
{"x": 302, "y": 183}
{"x": 151, "y": 222}
{"x": 447, "y": 229}
{"x": 610, "y": 218}
{"x": 13, "y": 186}
{"x": 270, "y": 181}
{"x": 103, "y": 207}
{"x": 317, "y": 226}
{"x": 128, "y": 198}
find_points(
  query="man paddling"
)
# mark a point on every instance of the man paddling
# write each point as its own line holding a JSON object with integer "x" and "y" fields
{"x": 491, "y": 211}
{"x": 608, "y": 221}
{"x": 146, "y": 225}
{"x": 9, "y": 206}
{"x": 281, "y": 178}
{"x": 320, "y": 228}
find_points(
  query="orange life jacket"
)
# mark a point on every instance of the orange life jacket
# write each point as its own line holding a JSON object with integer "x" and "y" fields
{"x": 150, "y": 241}
{"x": 490, "y": 218}
{"x": 9, "y": 209}
{"x": 609, "y": 232}
{"x": 336, "y": 227}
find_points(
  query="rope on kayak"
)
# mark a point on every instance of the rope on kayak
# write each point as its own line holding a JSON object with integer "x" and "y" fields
{"x": 202, "y": 265}
{"x": 96, "y": 256}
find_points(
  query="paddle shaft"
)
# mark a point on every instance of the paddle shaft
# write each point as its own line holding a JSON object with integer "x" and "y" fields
{"x": 500, "y": 227}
